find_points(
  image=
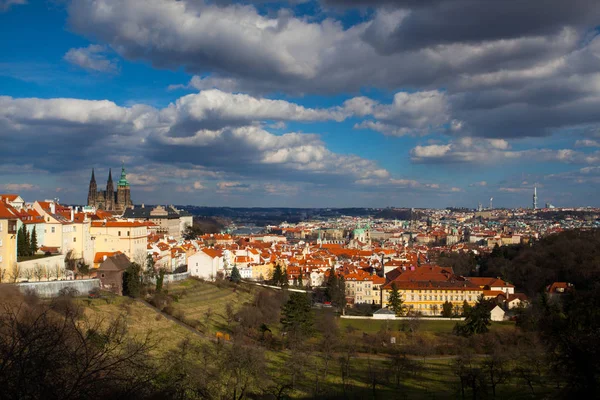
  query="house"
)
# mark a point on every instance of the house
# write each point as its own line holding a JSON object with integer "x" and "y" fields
{"x": 206, "y": 263}
{"x": 8, "y": 241}
{"x": 493, "y": 284}
{"x": 497, "y": 314}
{"x": 111, "y": 272}
{"x": 517, "y": 300}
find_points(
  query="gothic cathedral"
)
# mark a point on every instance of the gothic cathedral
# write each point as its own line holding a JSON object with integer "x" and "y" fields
{"x": 108, "y": 199}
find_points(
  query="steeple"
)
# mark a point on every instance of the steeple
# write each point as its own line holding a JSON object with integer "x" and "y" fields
{"x": 123, "y": 180}
{"x": 92, "y": 191}
{"x": 110, "y": 175}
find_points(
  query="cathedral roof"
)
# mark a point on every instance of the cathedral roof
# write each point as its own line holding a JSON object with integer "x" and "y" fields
{"x": 123, "y": 180}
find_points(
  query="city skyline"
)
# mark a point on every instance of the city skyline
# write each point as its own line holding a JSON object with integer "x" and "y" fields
{"x": 303, "y": 103}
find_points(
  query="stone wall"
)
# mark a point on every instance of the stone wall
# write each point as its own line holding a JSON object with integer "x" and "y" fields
{"x": 51, "y": 289}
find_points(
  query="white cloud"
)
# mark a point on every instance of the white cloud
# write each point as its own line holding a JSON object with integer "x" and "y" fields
{"x": 5, "y": 5}
{"x": 587, "y": 143}
{"x": 19, "y": 187}
{"x": 92, "y": 58}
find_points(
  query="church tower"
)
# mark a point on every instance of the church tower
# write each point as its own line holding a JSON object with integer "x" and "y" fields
{"x": 110, "y": 193}
{"x": 123, "y": 192}
{"x": 92, "y": 191}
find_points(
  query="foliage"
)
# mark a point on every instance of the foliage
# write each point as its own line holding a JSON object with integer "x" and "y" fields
{"x": 160, "y": 278}
{"x": 235, "y": 274}
{"x": 461, "y": 263}
{"x": 132, "y": 285}
{"x": 336, "y": 290}
{"x": 477, "y": 319}
{"x": 447, "y": 309}
{"x": 33, "y": 244}
{"x": 300, "y": 283}
{"x": 395, "y": 301}
{"x": 297, "y": 316}
{"x": 277, "y": 278}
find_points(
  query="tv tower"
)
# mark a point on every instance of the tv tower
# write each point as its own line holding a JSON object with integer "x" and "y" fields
{"x": 534, "y": 198}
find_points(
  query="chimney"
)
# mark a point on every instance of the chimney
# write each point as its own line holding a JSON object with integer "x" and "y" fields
{"x": 72, "y": 214}
{"x": 104, "y": 257}
{"x": 52, "y": 208}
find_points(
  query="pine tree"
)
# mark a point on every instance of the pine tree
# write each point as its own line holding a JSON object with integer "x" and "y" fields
{"x": 395, "y": 301}
{"x": 277, "y": 274}
{"x": 447, "y": 309}
{"x": 300, "y": 283}
{"x": 284, "y": 278}
{"x": 33, "y": 245}
{"x": 235, "y": 275}
{"x": 27, "y": 248}
{"x": 21, "y": 241}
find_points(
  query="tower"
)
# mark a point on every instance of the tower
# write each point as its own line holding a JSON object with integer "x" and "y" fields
{"x": 110, "y": 193}
{"x": 535, "y": 198}
{"x": 92, "y": 191}
{"x": 123, "y": 191}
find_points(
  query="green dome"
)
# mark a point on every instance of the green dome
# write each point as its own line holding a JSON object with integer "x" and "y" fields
{"x": 123, "y": 180}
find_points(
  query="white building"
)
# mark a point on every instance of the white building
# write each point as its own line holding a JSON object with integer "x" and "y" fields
{"x": 205, "y": 263}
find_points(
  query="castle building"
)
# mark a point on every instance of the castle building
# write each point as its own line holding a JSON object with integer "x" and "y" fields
{"x": 108, "y": 199}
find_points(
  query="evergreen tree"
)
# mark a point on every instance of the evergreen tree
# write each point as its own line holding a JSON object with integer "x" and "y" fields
{"x": 300, "y": 283}
{"x": 395, "y": 301}
{"x": 33, "y": 245}
{"x": 284, "y": 278}
{"x": 277, "y": 275}
{"x": 477, "y": 319}
{"x": 336, "y": 290}
{"x": 160, "y": 278}
{"x": 132, "y": 285}
{"x": 235, "y": 275}
{"x": 447, "y": 309}
{"x": 297, "y": 316}
{"x": 27, "y": 248}
{"x": 21, "y": 241}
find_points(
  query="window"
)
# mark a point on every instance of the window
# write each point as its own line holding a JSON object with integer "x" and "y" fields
{"x": 103, "y": 275}
{"x": 128, "y": 232}
{"x": 119, "y": 233}
{"x": 74, "y": 240}
{"x": 1, "y": 226}
{"x": 12, "y": 226}
{"x": 0, "y": 258}
{"x": 53, "y": 230}
{"x": 0, "y": 242}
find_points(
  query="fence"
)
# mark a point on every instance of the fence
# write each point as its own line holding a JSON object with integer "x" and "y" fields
{"x": 51, "y": 289}
{"x": 405, "y": 318}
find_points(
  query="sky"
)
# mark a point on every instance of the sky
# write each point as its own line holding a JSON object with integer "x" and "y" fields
{"x": 303, "y": 103}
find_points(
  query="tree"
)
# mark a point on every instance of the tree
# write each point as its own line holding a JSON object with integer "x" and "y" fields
{"x": 132, "y": 285}
{"x": 33, "y": 245}
{"x": 27, "y": 249}
{"x": 300, "y": 283}
{"x": 160, "y": 277}
{"x": 83, "y": 268}
{"x": 21, "y": 241}
{"x": 38, "y": 272}
{"x": 297, "y": 316}
{"x": 235, "y": 275}
{"x": 336, "y": 290}
{"x": 395, "y": 300}
{"x": 277, "y": 275}
{"x": 447, "y": 309}
{"x": 477, "y": 319}
{"x": 284, "y": 278}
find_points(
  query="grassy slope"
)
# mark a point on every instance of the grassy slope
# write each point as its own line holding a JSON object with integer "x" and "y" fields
{"x": 195, "y": 298}
{"x": 371, "y": 326}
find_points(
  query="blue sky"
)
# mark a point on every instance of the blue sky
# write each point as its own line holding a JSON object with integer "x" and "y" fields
{"x": 307, "y": 103}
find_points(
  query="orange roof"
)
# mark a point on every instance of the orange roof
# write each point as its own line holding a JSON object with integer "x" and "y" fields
{"x": 212, "y": 253}
{"x": 9, "y": 196}
{"x": 99, "y": 257}
{"x": 5, "y": 212}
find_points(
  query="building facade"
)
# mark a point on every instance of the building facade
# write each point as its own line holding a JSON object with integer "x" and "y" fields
{"x": 109, "y": 199}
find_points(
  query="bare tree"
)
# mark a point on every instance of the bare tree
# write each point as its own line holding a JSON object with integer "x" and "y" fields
{"x": 38, "y": 272}
{"x": 28, "y": 274}
{"x": 16, "y": 273}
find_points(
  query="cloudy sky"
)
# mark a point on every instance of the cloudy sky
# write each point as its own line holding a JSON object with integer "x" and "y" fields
{"x": 316, "y": 103}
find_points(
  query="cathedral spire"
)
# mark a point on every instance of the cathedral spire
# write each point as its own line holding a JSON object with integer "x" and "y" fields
{"x": 93, "y": 177}
{"x": 110, "y": 174}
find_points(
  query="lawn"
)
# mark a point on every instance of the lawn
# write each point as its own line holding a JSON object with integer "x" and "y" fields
{"x": 435, "y": 326}
{"x": 196, "y": 298}
{"x": 141, "y": 320}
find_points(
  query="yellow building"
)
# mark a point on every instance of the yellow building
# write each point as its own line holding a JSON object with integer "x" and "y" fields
{"x": 128, "y": 237}
{"x": 262, "y": 271}
{"x": 427, "y": 297}
{"x": 8, "y": 242}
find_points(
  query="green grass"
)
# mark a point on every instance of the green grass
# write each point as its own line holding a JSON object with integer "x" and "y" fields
{"x": 424, "y": 325}
{"x": 140, "y": 319}
{"x": 195, "y": 298}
